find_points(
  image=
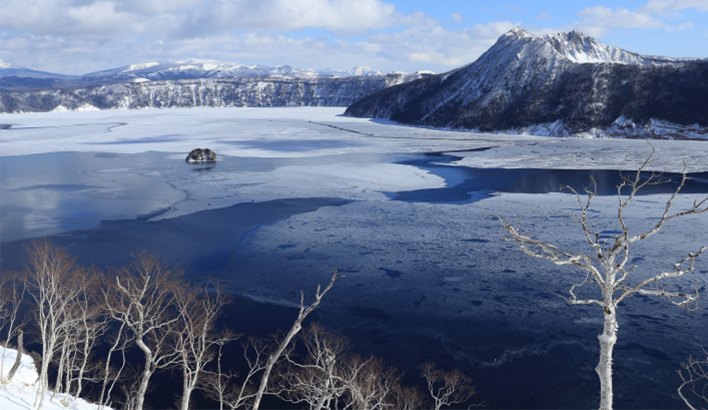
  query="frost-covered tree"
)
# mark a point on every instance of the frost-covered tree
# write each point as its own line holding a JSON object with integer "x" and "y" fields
{"x": 606, "y": 265}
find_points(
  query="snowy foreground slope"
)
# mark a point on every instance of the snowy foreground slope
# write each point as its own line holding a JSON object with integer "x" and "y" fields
{"x": 558, "y": 84}
{"x": 19, "y": 394}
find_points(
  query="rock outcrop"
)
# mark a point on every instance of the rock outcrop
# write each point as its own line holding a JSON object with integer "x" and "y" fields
{"x": 200, "y": 156}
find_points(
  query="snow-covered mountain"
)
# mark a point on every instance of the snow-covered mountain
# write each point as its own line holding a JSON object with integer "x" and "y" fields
{"x": 9, "y": 69}
{"x": 192, "y": 83}
{"x": 204, "y": 92}
{"x": 193, "y": 68}
{"x": 557, "y": 84}
{"x": 15, "y": 78}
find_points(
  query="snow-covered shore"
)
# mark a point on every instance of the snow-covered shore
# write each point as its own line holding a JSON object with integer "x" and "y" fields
{"x": 19, "y": 394}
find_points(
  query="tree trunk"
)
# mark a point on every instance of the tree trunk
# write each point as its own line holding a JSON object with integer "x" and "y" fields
{"x": 326, "y": 395}
{"x": 272, "y": 359}
{"x": 60, "y": 370}
{"x": 44, "y": 376}
{"x": 186, "y": 389}
{"x": 142, "y": 390}
{"x": 84, "y": 361}
{"x": 20, "y": 351}
{"x": 608, "y": 338}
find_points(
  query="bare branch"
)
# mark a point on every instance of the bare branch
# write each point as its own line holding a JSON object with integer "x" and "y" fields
{"x": 694, "y": 377}
{"x": 297, "y": 326}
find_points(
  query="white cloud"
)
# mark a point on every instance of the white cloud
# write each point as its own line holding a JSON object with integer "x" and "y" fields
{"x": 658, "y": 6}
{"x": 605, "y": 17}
{"x": 185, "y": 18}
{"x": 543, "y": 16}
{"x": 685, "y": 26}
{"x": 340, "y": 16}
{"x": 459, "y": 18}
{"x": 80, "y": 36}
{"x": 438, "y": 46}
{"x": 409, "y": 49}
{"x": 64, "y": 17}
{"x": 599, "y": 20}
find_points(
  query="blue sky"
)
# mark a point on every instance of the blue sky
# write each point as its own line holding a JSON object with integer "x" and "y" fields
{"x": 80, "y": 36}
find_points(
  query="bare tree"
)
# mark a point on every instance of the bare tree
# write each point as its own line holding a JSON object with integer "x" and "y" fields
{"x": 408, "y": 398}
{"x": 18, "y": 358}
{"x": 297, "y": 326}
{"x": 224, "y": 387}
{"x": 320, "y": 372}
{"x": 315, "y": 376}
{"x": 694, "y": 377}
{"x": 111, "y": 375}
{"x": 12, "y": 293}
{"x": 606, "y": 264}
{"x": 446, "y": 388}
{"x": 52, "y": 281}
{"x": 218, "y": 384}
{"x": 369, "y": 383}
{"x": 197, "y": 339}
{"x": 91, "y": 324}
{"x": 141, "y": 296}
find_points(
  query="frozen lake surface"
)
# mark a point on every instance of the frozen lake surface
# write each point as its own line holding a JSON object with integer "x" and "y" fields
{"x": 298, "y": 193}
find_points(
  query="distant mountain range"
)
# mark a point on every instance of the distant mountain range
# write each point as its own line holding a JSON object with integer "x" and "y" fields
{"x": 559, "y": 84}
{"x": 189, "y": 83}
{"x": 16, "y": 78}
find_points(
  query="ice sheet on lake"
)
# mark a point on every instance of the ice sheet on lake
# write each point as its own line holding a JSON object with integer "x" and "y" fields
{"x": 315, "y": 131}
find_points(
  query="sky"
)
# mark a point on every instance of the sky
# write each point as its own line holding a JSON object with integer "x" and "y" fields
{"x": 82, "y": 36}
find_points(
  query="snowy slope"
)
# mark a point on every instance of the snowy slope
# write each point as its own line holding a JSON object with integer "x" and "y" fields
{"x": 19, "y": 394}
{"x": 568, "y": 82}
{"x": 580, "y": 48}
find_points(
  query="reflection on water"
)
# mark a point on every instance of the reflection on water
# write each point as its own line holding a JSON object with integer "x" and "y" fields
{"x": 64, "y": 191}
{"x": 51, "y": 193}
{"x": 47, "y": 194}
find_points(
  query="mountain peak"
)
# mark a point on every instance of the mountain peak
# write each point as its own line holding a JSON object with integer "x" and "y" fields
{"x": 517, "y": 32}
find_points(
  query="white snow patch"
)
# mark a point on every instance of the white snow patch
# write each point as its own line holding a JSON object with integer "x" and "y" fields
{"x": 19, "y": 394}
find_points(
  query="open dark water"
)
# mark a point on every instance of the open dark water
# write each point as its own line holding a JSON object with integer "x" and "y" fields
{"x": 98, "y": 208}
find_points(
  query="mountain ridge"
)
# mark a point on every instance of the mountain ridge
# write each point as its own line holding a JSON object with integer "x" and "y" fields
{"x": 202, "y": 92}
{"x": 16, "y": 78}
{"x": 570, "y": 80}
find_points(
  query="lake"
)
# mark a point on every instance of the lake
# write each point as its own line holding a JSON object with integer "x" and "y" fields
{"x": 427, "y": 276}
